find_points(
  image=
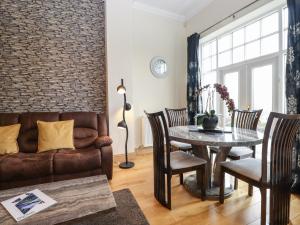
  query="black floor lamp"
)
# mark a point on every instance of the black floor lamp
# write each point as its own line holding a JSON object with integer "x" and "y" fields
{"x": 122, "y": 124}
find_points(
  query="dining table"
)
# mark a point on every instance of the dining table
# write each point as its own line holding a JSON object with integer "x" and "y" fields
{"x": 200, "y": 139}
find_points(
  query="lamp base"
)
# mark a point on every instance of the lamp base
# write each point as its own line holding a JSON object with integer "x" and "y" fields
{"x": 126, "y": 165}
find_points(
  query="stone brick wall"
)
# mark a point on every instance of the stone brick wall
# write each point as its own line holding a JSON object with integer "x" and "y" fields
{"x": 52, "y": 55}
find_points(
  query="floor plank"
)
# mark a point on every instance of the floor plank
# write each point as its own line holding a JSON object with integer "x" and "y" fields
{"x": 186, "y": 209}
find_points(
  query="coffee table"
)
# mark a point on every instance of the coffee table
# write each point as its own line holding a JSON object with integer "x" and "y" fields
{"x": 75, "y": 198}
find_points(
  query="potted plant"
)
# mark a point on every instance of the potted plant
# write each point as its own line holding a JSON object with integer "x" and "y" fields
{"x": 209, "y": 119}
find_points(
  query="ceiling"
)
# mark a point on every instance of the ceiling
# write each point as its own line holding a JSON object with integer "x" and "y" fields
{"x": 182, "y": 9}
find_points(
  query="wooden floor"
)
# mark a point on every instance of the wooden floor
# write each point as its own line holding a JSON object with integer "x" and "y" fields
{"x": 239, "y": 209}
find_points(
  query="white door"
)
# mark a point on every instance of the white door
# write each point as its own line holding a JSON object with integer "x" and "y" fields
{"x": 255, "y": 85}
{"x": 232, "y": 79}
{"x": 264, "y": 87}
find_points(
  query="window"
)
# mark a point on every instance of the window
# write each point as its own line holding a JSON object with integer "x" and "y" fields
{"x": 285, "y": 21}
{"x": 209, "y": 56}
{"x": 256, "y": 39}
{"x": 249, "y": 56}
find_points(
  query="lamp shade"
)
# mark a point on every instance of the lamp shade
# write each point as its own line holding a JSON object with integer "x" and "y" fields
{"x": 122, "y": 124}
{"x": 121, "y": 88}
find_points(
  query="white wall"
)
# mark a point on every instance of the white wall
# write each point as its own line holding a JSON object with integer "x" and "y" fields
{"x": 119, "y": 65}
{"x": 154, "y": 35}
{"x": 133, "y": 38}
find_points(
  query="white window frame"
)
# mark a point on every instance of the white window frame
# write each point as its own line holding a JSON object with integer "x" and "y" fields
{"x": 276, "y": 57}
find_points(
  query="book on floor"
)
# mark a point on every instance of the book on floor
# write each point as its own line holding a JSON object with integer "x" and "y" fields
{"x": 27, "y": 204}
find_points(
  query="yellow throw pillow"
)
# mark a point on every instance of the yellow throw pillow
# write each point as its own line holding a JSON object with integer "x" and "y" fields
{"x": 55, "y": 135}
{"x": 8, "y": 139}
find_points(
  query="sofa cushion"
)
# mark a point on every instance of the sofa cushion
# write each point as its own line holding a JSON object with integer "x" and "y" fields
{"x": 28, "y": 138}
{"x": 23, "y": 166}
{"x": 85, "y": 128}
{"x": 73, "y": 161}
{"x": 8, "y": 139}
{"x": 55, "y": 135}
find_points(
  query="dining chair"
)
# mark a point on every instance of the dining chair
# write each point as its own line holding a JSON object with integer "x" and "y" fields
{"x": 178, "y": 117}
{"x": 276, "y": 174}
{"x": 167, "y": 162}
{"x": 247, "y": 120}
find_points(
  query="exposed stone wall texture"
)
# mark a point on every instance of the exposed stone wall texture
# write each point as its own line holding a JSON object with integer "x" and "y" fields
{"x": 52, "y": 55}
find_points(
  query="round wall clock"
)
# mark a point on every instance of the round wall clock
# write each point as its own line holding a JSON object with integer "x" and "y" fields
{"x": 158, "y": 67}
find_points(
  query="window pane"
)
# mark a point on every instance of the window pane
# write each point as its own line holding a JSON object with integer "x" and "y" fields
{"x": 269, "y": 24}
{"x": 284, "y": 40}
{"x": 224, "y": 58}
{"x": 262, "y": 90}
{"x": 270, "y": 44}
{"x": 206, "y": 65}
{"x": 253, "y": 49}
{"x": 209, "y": 78}
{"x": 238, "y": 54}
{"x": 285, "y": 18}
{"x": 224, "y": 43}
{"x": 231, "y": 81}
{"x": 238, "y": 37}
{"x": 213, "y": 46}
{"x": 205, "y": 50}
{"x": 213, "y": 62}
{"x": 253, "y": 31}
{"x": 283, "y": 85}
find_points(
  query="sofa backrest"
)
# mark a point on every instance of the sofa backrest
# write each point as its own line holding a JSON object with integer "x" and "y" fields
{"x": 28, "y": 136}
{"x": 87, "y": 127}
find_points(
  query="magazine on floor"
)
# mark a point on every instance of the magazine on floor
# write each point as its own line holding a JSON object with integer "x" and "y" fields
{"x": 28, "y": 204}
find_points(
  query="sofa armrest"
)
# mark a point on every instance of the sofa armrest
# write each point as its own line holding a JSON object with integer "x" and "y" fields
{"x": 103, "y": 141}
{"x": 107, "y": 161}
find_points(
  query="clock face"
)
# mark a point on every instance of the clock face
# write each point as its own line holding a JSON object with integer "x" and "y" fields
{"x": 158, "y": 67}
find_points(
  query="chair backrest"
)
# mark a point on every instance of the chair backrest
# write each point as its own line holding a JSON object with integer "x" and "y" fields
{"x": 245, "y": 119}
{"x": 177, "y": 117}
{"x": 279, "y": 138}
{"x": 161, "y": 153}
{"x": 160, "y": 133}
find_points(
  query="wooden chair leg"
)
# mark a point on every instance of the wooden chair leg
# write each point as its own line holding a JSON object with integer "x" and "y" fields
{"x": 203, "y": 184}
{"x": 169, "y": 205}
{"x": 250, "y": 190}
{"x": 181, "y": 178}
{"x": 263, "y": 206}
{"x": 222, "y": 186}
{"x": 236, "y": 183}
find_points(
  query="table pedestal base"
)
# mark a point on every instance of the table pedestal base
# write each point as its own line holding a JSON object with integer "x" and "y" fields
{"x": 190, "y": 184}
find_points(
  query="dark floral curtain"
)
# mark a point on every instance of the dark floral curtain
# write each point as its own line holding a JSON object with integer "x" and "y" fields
{"x": 192, "y": 77}
{"x": 293, "y": 79}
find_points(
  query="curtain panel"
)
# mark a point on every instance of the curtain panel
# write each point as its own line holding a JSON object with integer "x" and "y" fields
{"x": 293, "y": 80}
{"x": 193, "y": 77}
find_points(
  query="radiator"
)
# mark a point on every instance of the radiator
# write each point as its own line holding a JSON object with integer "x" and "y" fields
{"x": 146, "y": 133}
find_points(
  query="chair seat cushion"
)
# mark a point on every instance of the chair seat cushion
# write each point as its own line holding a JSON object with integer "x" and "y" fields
{"x": 24, "y": 166}
{"x": 180, "y": 160}
{"x": 181, "y": 145}
{"x": 240, "y": 152}
{"x": 250, "y": 168}
{"x": 74, "y": 161}
{"x": 236, "y": 152}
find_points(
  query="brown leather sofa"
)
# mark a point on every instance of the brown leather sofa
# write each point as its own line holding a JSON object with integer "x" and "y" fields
{"x": 93, "y": 154}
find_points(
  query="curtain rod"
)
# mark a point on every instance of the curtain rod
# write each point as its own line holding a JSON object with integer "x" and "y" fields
{"x": 227, "y": 17}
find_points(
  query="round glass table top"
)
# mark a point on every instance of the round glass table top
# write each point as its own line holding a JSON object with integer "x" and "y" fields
{"x": 229, "y": 138}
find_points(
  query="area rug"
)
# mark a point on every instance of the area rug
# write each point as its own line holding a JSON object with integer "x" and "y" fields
{"x": 127, "y": 212}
